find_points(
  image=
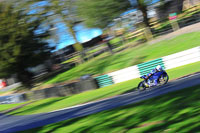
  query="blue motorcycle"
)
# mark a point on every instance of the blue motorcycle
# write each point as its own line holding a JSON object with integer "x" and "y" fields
{"x": 160, "y": 77}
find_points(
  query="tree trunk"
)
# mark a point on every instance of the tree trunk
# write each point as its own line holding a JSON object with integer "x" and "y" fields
{"x": 77, "y": 46}
{"x": 25, "y": 77}
{"x": 143, "y": 9}
{"x": 70, "y": 24}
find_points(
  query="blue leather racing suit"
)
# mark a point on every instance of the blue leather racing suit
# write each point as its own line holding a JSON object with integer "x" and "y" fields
{"x": 153, "y": 76}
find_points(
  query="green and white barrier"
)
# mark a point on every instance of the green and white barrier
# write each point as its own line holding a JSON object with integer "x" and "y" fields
{"x": 146, "y": 67}
{"x": 167, "y": 62}
{"x": 125, "y": 74}
{"x": 104, "y": 80}
{"x": 182, "y": 58}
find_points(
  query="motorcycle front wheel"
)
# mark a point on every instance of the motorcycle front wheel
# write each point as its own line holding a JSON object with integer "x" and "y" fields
{"x": 163, "y": 79}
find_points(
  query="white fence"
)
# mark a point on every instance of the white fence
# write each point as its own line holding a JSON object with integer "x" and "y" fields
{"x": 182, "y": 58}
{"x": 125, "y": 74}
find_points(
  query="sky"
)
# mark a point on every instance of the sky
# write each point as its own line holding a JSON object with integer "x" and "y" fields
{"x": 83, "y": 34}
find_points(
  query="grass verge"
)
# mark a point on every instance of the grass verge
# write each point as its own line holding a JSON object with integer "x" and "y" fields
{"x": 174, "y": 112}
{"x": 51, "y": 104}
{"x": 4, "y": 107}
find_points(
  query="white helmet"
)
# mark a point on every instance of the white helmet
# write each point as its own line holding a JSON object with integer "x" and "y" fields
{"x": 159, "y": 68}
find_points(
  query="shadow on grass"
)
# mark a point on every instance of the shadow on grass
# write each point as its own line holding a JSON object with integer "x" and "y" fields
{"x": 104, "y": 96}
{"x": 131, "y": 90}
{"x": 179, "y": 112}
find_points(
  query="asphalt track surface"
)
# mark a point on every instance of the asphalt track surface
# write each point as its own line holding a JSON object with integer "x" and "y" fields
{"x": 9, "y": 123}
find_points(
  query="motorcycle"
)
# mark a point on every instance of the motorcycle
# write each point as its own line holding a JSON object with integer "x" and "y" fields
{"x": 161, "y": 77}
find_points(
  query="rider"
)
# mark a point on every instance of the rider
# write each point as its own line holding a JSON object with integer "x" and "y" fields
{"x": 157, "y": 69}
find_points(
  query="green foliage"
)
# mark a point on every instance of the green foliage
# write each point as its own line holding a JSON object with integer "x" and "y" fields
{"x": 100, "y": 13}
{"x": 21, "y": 45}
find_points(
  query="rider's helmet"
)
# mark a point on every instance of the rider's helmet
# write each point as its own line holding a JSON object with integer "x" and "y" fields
{"x": 159, "y": 68}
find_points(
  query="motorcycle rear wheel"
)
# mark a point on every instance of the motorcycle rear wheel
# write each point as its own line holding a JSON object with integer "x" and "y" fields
{"x": 141, "y": 86}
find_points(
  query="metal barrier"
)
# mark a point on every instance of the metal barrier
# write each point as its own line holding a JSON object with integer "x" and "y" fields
{"x": 104, "y": 80}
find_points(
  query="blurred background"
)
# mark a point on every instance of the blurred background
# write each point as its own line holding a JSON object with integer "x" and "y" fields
{"x": 45, "y": 43}
{"x": 56, "y": 54}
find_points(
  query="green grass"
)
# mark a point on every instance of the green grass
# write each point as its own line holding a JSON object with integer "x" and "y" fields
{"x": 174, "y": 112}
{"x": 107, "y": 63}
{"x": 115, "y": 40}
{"x": 51, "y": 104}
{"x": 4, "y": 107}
{"x": 184, "y": 70}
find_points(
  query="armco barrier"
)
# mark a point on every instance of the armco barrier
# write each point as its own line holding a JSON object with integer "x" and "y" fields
{"x": 167, "y": 62}
{"x": 104, "y": 80}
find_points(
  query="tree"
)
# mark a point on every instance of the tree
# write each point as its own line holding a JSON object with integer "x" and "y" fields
{"x": 100, "y": 13}
{"x": 22, "y": 45}
{"x": 67, "y": 11}
{"x": 54, "y": 11}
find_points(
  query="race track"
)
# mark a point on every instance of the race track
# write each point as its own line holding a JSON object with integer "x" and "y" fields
{"x": 9, "y": 123}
